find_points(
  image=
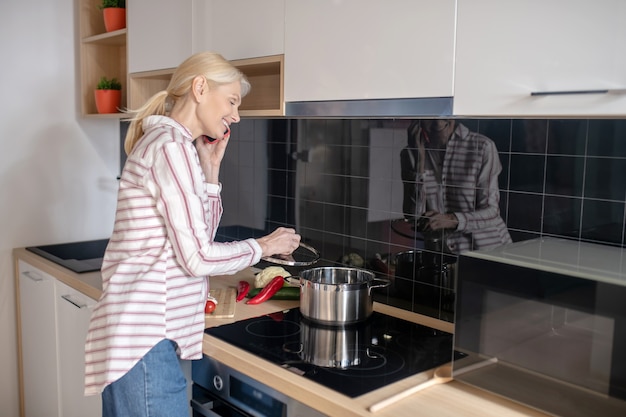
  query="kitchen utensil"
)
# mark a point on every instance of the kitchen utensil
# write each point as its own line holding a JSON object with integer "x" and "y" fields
{"x": 441, "y": 375}
{"x": 225, "y": 307}
{"x": 406, "y": 228}
{"x": 337, "y": 295}
{"x": 304, "y": 255}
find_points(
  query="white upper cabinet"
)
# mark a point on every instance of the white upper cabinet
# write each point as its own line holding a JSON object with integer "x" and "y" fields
{"x": 159, "y": 33}
{"x": 163, "y": 33}
{"x": 241, "y": 29}
{"x": 368, "y": 49}
{"x": 508, "y": 50}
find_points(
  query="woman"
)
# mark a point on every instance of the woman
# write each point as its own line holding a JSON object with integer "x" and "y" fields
{"x": 161, "y": 251}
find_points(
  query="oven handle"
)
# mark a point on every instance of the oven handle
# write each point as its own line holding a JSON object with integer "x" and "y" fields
{"x": 204, "y": 408}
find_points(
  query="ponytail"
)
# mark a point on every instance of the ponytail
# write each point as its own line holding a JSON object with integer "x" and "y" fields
{"x": 154, "y": 106}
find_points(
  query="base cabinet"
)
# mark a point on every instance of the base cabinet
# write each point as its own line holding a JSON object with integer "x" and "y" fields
{"x": 73, "y": 315}
{"x": 39, "y": 365}
{"x": 53, "y": 322}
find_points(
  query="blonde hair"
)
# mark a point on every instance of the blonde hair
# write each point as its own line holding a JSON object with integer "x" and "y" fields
{"x": 211, "y": 65}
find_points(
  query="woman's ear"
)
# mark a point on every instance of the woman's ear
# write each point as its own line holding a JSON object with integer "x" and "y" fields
{"x": 198, "y": 87}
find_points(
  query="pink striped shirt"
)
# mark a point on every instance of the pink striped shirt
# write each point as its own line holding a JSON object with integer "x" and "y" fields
{"x": 156, "y": 266}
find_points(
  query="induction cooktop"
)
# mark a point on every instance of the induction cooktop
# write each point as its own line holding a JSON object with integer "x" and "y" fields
{"x": 79, "y": 257}
{"x": 352, "y": 360}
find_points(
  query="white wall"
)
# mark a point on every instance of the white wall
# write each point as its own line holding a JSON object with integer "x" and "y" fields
{"x": 57, "y": 170}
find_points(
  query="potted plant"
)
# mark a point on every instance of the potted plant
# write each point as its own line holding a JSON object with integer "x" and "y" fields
{"x": 114, "y": 13}
{"x": 108, "y": 95}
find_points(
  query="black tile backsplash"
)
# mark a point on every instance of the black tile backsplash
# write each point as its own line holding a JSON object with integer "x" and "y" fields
{"x": 564, "y": 175}
{"x": 338, "y": 183}
{"x": 526, "y": 173}
{"x": 605, "y": 178}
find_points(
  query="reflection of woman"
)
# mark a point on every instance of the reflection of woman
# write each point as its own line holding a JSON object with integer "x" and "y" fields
{"x": 450, "y": 177}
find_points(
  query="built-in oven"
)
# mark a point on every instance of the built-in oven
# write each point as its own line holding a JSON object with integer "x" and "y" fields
{"x": 220, "y": 391}
{"x": 352, "y": 360}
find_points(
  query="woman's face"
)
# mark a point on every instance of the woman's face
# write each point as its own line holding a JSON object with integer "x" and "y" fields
{"x": 219, "y": 109}
{"x": 437, "y": 130}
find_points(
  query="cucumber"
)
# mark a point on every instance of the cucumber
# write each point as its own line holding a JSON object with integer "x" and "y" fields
{"x": 285, "y": 293}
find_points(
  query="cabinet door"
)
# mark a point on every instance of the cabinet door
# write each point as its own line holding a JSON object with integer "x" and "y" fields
{"x": 40, "y": 384}
{"x": 368, "y": 49}
{"x": 242, "y": 29}
{"x": 508, "y": 50}
{"x": 159, "y": 33}
{"x": 73, "y": 315}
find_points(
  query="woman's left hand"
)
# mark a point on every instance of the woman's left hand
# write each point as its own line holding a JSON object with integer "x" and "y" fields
{"x": 438, "y": 221}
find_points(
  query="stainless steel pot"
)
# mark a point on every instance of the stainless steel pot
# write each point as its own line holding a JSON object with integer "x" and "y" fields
{"x": 337, "y": 295}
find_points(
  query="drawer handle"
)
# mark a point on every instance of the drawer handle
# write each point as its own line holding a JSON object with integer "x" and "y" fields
{"x": 204, "y": 409}
{"x": 77, "y": 303}
{"x": 574, "y": 92}
{"x": 33, "y": 276}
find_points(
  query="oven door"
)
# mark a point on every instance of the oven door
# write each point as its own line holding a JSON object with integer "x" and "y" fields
{"x": 206, "y": 404}
{"x": 221, "y": 391}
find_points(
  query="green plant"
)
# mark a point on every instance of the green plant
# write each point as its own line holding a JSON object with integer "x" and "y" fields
{"x": 113, "y": 3}
{"x": 106, "y": 84}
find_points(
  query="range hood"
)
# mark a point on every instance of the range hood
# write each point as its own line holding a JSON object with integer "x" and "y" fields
{"x": 376, "y": 108}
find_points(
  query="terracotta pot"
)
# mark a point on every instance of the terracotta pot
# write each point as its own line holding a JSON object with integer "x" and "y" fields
{"x": 114, "y": 18}
{"x": 108, "y": 101}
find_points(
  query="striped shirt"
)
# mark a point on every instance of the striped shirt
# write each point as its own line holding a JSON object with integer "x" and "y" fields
{"x": 466, "y": 185}
{"x": 156, "y": 266}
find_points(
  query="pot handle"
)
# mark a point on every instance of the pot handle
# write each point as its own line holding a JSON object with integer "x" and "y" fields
{"x": 385, "y": 283}
{"x": 287, "y": 349}
{"x": 293, "y": 280}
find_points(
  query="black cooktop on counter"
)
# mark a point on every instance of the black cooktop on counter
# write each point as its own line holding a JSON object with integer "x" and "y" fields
{"x": 79, "y": 257}
{"x": 352, "y": 360}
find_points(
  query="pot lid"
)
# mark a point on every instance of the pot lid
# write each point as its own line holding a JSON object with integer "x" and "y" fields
{"x": 304, "y": 255}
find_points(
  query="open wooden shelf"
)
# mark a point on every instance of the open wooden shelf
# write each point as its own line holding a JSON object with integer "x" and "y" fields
{"x": 266, "y": 98}
{"x": 265, "y": 74}
{"x": 102, "y": 54}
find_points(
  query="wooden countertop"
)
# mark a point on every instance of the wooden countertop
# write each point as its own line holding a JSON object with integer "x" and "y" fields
{"x": 453, "y": 399}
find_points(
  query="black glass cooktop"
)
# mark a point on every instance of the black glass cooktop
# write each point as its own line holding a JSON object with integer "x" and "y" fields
{"x": 351, "y": 359}
{"x": 77, "y": 256}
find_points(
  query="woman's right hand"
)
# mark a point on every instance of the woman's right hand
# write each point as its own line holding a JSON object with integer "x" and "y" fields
{"x": 211, "y": 155}
{"x": 282, "y": 241}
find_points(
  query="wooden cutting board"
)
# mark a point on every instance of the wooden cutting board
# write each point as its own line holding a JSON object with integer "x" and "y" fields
{"x": 225, "y": 302}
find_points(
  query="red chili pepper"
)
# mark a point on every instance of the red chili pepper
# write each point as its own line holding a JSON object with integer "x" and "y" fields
{"x": 242, "y": 290}
{"x": 268, "y": 291}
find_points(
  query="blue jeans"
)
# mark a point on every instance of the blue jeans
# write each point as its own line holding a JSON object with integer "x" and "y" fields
{"x": 154, "y": 387}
